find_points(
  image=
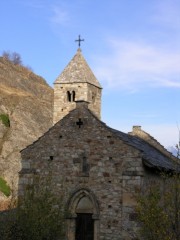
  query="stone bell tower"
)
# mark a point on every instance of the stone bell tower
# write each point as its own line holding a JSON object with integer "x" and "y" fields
{"x": 76, "y": 82}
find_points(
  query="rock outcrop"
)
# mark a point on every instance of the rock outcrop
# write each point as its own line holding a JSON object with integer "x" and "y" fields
{"x": 28, "y": 101}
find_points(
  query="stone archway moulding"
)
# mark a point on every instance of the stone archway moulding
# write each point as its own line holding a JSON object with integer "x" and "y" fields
{"x": 71, "y": 208}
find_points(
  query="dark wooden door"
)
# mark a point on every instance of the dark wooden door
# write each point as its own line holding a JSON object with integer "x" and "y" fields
{"x": 84, "y": 227}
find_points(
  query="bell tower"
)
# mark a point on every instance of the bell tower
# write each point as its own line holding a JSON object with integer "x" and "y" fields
{"x": 76, "y": 82}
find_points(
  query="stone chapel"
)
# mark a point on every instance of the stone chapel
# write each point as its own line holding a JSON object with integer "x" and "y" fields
{"x": 98, "y": 167}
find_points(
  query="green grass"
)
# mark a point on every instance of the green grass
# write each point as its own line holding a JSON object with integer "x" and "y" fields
{"x": 4, "y": 188}
{"x": 5, "y": 119}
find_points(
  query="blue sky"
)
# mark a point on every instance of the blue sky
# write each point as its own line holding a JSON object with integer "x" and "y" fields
{"x": 132, "y": 46}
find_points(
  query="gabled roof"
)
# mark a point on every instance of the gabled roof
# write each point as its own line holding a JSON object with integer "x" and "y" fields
{"x": 152, "y": 157}
{"x": 78, "y": 71}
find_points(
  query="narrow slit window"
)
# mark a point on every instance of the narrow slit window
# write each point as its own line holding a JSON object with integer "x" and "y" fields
{"x": 51, "y": 158}
{"x": 73, "y": 96}
{"x": 68, "y": 96}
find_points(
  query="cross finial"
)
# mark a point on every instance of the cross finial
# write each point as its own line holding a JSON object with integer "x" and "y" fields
{"x": 79, "y": 40}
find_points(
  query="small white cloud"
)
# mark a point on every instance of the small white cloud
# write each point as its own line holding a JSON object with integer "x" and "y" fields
{"x": 38, "y": 4}
{"x": 167, "y": 82}
{"x": 168, "y": 13}
{"x": 134, "y": 64}
{"x": 60, "y": 16}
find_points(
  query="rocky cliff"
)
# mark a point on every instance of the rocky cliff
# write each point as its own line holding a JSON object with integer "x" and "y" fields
{"x": 27, "y": 100}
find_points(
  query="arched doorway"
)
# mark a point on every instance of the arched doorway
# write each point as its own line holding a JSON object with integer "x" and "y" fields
{"x": 83, "y": 223}
{"x": 84, "y": 220}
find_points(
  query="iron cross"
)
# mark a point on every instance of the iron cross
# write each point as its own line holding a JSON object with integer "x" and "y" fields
{"x": 79, "y": 40}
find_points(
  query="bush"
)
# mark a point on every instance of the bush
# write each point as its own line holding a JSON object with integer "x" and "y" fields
{"x": 5, "y": 119}
{"x": 158, "y": 209}
{"x": 14, "y": 57}
{"x": 4, "y": 188}
{"x": 39, "y": 216}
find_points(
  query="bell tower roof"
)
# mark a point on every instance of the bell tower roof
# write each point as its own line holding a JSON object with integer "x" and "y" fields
{"x": 77, "y": 71}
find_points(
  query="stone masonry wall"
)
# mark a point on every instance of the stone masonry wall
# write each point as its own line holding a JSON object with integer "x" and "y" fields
{"x": 83, "y": 91}
{"x": 113, "y": 169}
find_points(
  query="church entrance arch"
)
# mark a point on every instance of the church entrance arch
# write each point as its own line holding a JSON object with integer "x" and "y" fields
{"x": 83, "y": 223}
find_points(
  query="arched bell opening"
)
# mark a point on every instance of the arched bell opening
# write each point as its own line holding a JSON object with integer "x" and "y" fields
{"x": 68, "y": 96}
{"x": 71, "y": 96}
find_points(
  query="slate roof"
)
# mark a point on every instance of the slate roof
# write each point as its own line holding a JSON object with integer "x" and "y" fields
{"x": 152, "y": 157}
{"x": 78, "y": 71}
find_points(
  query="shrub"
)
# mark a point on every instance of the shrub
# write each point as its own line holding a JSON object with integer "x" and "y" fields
{"x": 158, "y": 209}
{"x": 4, "y": 188}
{"x": 5, "y": 119}
{"x": 38, "y": 216}
{"x": 14, "y": 57}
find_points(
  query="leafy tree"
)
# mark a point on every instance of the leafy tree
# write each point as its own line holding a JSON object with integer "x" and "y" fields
{"x": 38, "y": 216}
{"x": 158, "y": 212}
{"x": 158, "y": 208}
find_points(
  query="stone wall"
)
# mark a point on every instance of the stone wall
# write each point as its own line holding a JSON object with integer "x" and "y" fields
{"x": 75, "y": 91}
{"x": 112, "y": 172}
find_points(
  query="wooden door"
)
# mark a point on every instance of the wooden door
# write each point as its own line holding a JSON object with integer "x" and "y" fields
{"x": 84, "y": 227}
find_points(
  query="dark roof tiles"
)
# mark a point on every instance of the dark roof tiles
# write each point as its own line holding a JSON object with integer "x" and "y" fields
{"x": 152, "y": 157}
